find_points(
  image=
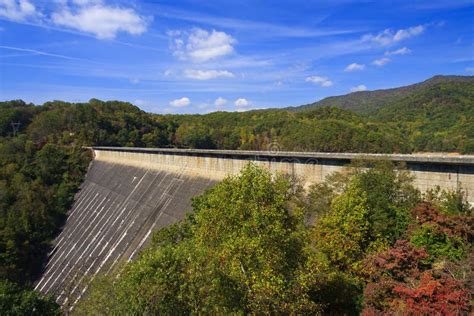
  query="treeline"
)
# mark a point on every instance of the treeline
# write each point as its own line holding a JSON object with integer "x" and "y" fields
{"x": 366, "y": 242}
{"x": 438, "y": 118}
{"x": 116, "y": 123}
{"x": 92, "y": 123}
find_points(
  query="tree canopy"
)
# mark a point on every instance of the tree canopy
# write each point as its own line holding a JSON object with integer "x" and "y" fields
{"x": 431, "y": 117}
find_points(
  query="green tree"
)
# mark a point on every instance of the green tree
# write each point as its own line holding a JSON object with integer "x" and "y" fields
{"x": 343, "y": 233}
{"x": 194, "y": 136}
{"x": 438, "y": 243}
{"x": 370, "y": 213}
{"x": 15, "y": 300}
{"x": 50, "y": 163}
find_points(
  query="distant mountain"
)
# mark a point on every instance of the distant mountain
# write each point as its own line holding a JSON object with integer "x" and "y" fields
{"x": 371, "y": 101}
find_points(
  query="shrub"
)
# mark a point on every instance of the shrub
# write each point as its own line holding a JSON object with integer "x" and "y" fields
{"x": 400, "y": 282}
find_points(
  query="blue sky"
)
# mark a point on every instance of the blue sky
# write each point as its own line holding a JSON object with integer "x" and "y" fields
{"x": 202, "y": 56}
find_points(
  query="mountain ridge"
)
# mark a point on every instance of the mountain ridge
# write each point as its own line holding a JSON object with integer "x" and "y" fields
{"x": 370, "y": 101}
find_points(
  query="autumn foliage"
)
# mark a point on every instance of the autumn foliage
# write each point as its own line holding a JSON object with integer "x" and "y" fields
{"x": 432, "y": 295}
{"x": 401, "y": 283}
{"x": 454, "y": 225}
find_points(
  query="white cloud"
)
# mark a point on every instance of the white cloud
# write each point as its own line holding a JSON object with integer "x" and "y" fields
{"x": 200, "y": 45}
{"x": 17, "y": 10}
{"x": 178, "y": 103}
{"x": 207, "y": 74}
{"x": 241, "y": 102}
{"x": 101, "y": 20}
{"x": 389, "y": 36}
{"x": 469, "y": 69}
{"x": 360, "y": 87}
{"x": 400, "y": 51}
{"x": 354, "y": 67}
{"x": 220, "y": 101}
{"x": 322, "y": 81}
{"x": 409, "y": 32}
{"x": 381, "y": 61}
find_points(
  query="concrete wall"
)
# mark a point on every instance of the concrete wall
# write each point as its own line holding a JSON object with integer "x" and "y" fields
{"x": 217, "y": 167}
{"x": 111, "y": 220}
{"x": 448, "y": 172}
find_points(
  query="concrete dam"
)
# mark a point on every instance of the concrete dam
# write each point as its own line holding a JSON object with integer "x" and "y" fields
{"x": 130, "y": 192}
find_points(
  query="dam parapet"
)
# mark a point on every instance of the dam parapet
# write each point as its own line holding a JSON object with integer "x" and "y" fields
{"x": 450, "y": 172}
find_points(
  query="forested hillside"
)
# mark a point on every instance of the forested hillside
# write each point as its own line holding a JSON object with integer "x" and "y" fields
{"x": 436, "y": 115}
{"x": 370, "y": 101}
{"x": 38, "y": 180}
{"x": 440, "y": 116}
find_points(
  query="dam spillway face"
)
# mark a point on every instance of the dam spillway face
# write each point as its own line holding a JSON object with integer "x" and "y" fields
{"x": 111, "y": 220}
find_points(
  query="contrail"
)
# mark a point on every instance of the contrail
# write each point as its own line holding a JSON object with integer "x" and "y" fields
{"x": 38, "y": 52}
